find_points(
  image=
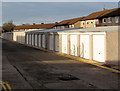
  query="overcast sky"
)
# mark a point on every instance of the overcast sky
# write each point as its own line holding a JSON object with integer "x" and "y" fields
{"x": 48, "y": 12}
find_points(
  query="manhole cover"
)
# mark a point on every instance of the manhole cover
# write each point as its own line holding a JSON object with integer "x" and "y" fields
{"x": 68, "y": 77}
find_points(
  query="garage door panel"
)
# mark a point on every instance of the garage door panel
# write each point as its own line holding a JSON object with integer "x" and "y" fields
{"x": 73, "y": 45}
{"x": 36, "y": 40}
{"x": 32, "y": 39}
{"x": 56, "y": 42}
{"x": 50, "y": 42}
{"x": 84, "y": 46}
{"x": 43, "y": 41}
{"x": 98, "y": 48}
{"x": 64, "y": 44}
{"x": 39, "y": 40}
{"x": 27, "y": 40}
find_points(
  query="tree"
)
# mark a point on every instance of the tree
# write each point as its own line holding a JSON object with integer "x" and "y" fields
{"x": 8, "y": 26}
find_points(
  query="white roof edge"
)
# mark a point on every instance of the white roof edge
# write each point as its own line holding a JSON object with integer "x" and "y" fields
{"x": 76, "y": 30}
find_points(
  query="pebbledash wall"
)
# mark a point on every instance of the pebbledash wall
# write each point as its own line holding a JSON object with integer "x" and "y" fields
{"x": 99, "y": 44}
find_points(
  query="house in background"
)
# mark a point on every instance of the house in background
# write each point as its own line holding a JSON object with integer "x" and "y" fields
{"x": 107, "y": 17}
{"x": 34, "y": 27}
{"x": 110, "y": 18}
{"x": 70, "y": 23}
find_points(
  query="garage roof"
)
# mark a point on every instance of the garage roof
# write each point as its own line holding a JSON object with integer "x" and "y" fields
{"x": 72, "y": 30}
{"x": 96, "y": 29}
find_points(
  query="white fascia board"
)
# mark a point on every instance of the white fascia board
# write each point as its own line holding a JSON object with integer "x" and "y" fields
{"x": 85, "y": 33}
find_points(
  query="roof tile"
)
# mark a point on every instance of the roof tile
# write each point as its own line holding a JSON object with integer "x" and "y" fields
{"x": 36, "y": 26}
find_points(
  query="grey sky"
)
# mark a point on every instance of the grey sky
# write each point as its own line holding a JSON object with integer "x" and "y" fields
{"x": 38, "y": 12}
{"x": 60, "y": 0}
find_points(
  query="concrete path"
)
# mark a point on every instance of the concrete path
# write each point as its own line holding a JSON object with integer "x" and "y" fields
{"x": 37, "y": 69}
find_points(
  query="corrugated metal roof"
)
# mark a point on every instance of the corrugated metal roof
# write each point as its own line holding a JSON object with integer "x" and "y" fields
{"x": 52, "y": 30}
{"x": 97, "y": 29}
{"x": 68, "y": 30}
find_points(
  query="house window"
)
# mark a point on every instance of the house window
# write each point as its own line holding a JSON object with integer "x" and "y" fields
{"x": 104, "y": 20}
{"x": 117, "y": 19}
{"x": 91, "y": 22}
{"x": 87, "y": 22}
{"x": 109, "y": 19}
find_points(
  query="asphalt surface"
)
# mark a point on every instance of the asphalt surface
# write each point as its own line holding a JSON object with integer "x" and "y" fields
{"x": 25, "y": 68}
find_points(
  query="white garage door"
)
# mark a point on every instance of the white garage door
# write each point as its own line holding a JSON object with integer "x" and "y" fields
{"x": 50, "y": 42}
{"x": 39, "y": 40}
{"x": 14, "y": 36}
{"x": 36, "y": 40}
{"x": 18, "y": 37}
{"x": 22, "y": 37}
{"x": 32, "y": 39}
{"x": 27, "y": 40}
{"x": 56, "y": 42}
{"x": 64, "y": 44}
{"x": 84, "y": 46}
{"x": 73, "y": 45}
{"x": 43, "y": 41}
{"x": 98, "y": 48}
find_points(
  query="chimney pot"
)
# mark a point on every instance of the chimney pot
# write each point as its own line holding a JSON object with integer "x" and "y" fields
{"x": 104, "y": 9}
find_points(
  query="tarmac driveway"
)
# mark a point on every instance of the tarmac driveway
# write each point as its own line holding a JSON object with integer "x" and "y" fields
{"x": 38, "y": 69}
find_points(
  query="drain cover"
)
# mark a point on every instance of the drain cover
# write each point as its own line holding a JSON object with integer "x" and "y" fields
{"x": 67, "y": 77}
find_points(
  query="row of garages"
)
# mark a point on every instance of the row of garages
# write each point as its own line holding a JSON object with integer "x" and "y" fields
{"x": 77, "y": 44}
{"x": 99, "y": 44}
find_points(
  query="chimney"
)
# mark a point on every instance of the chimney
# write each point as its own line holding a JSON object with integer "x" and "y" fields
{"x": 56, "y": 22}
{"x": 104, "y": 9}
{"x": 33, "y": 23}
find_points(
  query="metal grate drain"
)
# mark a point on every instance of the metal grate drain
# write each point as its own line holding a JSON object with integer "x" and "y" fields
{"x": 68, "y": 77}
